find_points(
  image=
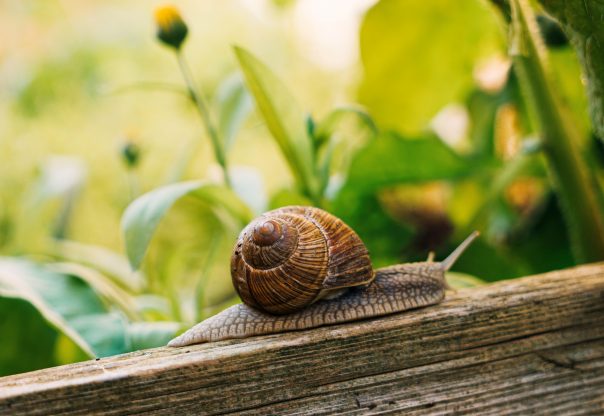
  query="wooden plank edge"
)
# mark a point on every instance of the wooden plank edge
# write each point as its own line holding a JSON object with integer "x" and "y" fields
{"x": 142, "y": 364}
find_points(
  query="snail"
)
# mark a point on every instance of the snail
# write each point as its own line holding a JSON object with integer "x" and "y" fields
{"x": 300, "y": 267}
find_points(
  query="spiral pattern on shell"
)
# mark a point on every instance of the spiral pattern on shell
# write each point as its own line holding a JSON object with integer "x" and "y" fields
{"x": 290, "y": 257}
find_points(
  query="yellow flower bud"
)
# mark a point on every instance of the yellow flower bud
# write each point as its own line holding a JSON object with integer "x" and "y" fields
{"x": 171, "y": 29}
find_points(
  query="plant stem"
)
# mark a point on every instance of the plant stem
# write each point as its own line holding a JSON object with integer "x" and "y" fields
{"x": 572, "y": 180}
{"x": 202, "y": 108}
{"x": 133, "y": 187}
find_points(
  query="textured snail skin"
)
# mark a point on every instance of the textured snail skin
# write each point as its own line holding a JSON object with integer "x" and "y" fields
{"x": 395, "y": 288}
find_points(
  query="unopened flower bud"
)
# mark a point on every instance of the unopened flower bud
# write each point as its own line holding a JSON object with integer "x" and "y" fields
{"x": 130, "y": 154}
{"x": 171, "y": 29}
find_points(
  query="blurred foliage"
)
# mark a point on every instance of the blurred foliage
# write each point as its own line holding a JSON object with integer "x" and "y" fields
{"x": 582, "y": 23}
{"x": 101, "y": 126}
{"x": 424, "y": 66}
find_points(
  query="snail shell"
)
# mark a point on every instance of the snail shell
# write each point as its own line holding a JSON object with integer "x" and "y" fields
{"x": 291, "y": 257}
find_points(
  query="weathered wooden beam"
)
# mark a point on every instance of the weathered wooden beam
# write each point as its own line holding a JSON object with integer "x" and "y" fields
{"x": 531, "y": 345}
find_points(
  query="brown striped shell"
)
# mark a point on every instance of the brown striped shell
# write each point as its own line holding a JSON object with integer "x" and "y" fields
{"x": 289, "y": 258}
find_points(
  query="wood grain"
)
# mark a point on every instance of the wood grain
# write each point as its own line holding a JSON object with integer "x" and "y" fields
{"x": 533, "y": 345}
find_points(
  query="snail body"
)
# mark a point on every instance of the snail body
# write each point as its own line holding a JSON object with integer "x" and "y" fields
{"x": 327, "y": 290}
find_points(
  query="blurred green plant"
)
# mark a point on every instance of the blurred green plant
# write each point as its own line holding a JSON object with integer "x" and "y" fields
{"x": 575, "y": 185}
{"x": 405, "y": 181}
{"x": 581, "y": 22}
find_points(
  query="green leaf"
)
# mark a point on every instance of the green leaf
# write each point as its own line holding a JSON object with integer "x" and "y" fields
{"x": 234, "y": 106}
{"x": 104, "y": 286}
{"x": 223, "y": 200}
{"x": 391, "y": 159}
{"x": 83, "y": 318}
{"x": 143, "y": 215}
{"x": 489, "y": 263}
{"x": 284, "y": 119}
{"x": 144, "y": 335}
{"x": 28, "y": 341}
{"x": 141, "y": 218}
{"x": 462, "y": 280}
{"x": 543, "y": 243}
{"x": 286, "y": 197}
{"x": 153, "y": 307}
{"x": 247, "y": 183}
{"x": 102, "y": 259}
{"x": 105, "y": 332}
{"x": 418, "y": 56}
{"x": 326, "y": 128}
{"x": 384, "y": 237}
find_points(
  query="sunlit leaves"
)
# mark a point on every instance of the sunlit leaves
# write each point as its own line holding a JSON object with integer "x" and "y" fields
{"x": 234, "y": 104}
{"x": 418, "y": 56}
{"x": 387, "y": 161}
{"x": 284, "y": 118}
{"x": 247, "y": 183}
{"x": 142, "y": 335}
{"x": 101, "y": 259}
{"x": 391, "y": 159}
{"x": 74, "y": 308}
{"x": 463, "y": 281}
{"x": 141, "y": 218}
{"x": 48, "y": 291}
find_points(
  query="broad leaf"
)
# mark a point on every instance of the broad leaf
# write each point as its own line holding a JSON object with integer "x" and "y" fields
{"x": 543, "y": 243}
{"x": 144, "y": 335}
{"x": 385, "y": 238}
{"x": 105, "y": 332}
{"x": 327, "y": 126}
{"x": 384, "y": 162}
{"x": 67, "y": 302}
{"x": 249, "y": 186}
{"x": 462, "y": 280}
{"x": 28, "y": 341}
{"x": 153, "y": 307}
{"x": 418, "y": 56}
{"x": 285, "y": 197}
{"x": 234, "y": 106}
{"x": 103, "y": 260}
{"x": 284, "y": 118}
{"x": 390, "y": 160}
{"x": 141, "y": 218}
{"x": 103, "y": 285}
{"x": 143, "y": 215}
{"x": 488, "y": 263}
